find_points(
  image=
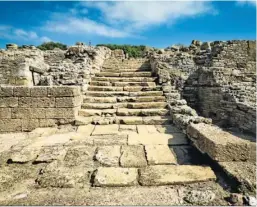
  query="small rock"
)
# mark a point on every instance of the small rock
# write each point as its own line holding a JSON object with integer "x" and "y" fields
{"x": 236, "y": 199}
{"x": 250, "y": 200}
{"x": 199, "y": 197}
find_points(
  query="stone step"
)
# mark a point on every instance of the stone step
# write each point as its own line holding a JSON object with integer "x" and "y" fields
{"x": 124, "y": 74}
{"x": 119, "y": 88}
{"x": 123, "y": 93}
{"x": 123, "y": 112}
{"x": 142, "y": 105}
{"x": 142, "y": 112}
{"x": 120, "y": 70}
{"x": 89, "y": 99}
{"x": 124, "y": 79}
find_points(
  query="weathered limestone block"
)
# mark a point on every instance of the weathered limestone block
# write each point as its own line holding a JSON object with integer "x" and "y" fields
{"x": 29, "y": 124}
{"x": 10, "y": 125}
{"x": 64, "y": 91}
{"x": 68, "y": 102}
{"x": 39, "y": 91}
{"x": 8, "y": 102}
{"x": 108, "y": 155}
{"x": 26, "y": 113}
{"x": 21, "y": 91}
{"x": 218, "y": 144}
{"x": 160, "y": 154}
{"x": 27, "y": 154}
{"x": 6, "y": 91}
{"x": 132, "y": 156}
{"x": 49, "y": 154}
{"x": 5, "y": 113}
{"x": 174, "y": 174}
{"x": 115, "y": 177}
{"x": 65, "y": 113}
{"x": 111, "y": 140}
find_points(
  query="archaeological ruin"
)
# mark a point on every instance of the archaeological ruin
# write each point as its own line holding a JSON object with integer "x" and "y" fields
{"x": 93, "y": 126}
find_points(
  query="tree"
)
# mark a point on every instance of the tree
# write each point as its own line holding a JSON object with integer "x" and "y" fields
{"x": 52, "y": 45}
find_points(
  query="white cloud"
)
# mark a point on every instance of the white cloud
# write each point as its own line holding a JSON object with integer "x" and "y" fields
{"x": 123, "y": 19}
{"x": 11, "y": 33}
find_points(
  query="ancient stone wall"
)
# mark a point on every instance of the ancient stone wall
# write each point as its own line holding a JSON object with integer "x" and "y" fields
{"x": 31, "y": 66}
{"x": 26, "y": 108}
{"x": 216, "y": 79}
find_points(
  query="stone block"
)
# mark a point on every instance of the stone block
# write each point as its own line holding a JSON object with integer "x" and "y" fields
{"x": 47, "y": 122}
{"x": 160, "y": 154}
{"x": 48, "y": 154}
{"x": 6, "y": 91}
{"x": 27, "y": 154}
{"x": 8, "y": 102}
{"x": 27, "y": 113}
{"x": 64, "y": 91}
{"x": 68, "y": 102}
{"x": 110, "y": 140}
{"x": 115, "y": 177}
{"x": 60, "y": 113}
{"x": 10, "y": 125}
{"x": 29, "y": 124}
{"x": 108, "y": 155}
{"x": 5, "y": 113}
{"x": 106, "y": 129}
{"x": 21, "y": 91}
{"x": 25, "y": 102}
{"x": 43, "y": 102}
{"x": 39, "y": 91}
{"x": 174, "y": 174}
{"x": 218, "y": 144}
{"x": 133, "y": 156}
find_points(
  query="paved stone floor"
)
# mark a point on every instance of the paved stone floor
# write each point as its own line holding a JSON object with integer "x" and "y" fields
{"x": 105, "y": 165}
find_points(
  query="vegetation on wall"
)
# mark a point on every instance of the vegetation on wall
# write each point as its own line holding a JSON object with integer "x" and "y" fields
{"x": 132, "y": 50}
{"x": 52, "y": 45}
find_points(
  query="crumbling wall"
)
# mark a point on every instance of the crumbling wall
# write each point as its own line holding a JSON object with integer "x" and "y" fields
{"x": 217, "y": 79}
{"x": 31, "y": 66}
{"x": 26, "y": 108}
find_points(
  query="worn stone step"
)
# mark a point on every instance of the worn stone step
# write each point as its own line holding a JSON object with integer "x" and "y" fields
{"x": 96, "y": 112}
{"x": 142, "y": 112}
{"x": 103, "y": 105}
{"x": 175, "y": 174}
{"x": 143, "y": 105}
{"x": 90, "y": 99}
{"x": 124, "y": 74}
{"x": 124, "y": 79}
{"x": 115, "y": 70}
{"x": 151, "y": 120}
{"x": 122, "y": 84}
{"x": 123, "y": 93}
{"x": 118, "y": 88}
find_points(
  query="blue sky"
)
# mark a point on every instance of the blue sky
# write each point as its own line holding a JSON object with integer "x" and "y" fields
{"x": 157, "y": 23}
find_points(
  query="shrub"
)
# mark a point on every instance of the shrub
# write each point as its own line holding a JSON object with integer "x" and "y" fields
{"x": 52, "y": 45}
{"x": 132, "y": 50}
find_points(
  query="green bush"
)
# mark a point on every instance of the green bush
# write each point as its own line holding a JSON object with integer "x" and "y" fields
{"x": 132, "y": 50}
{"x": 52, "y": 45}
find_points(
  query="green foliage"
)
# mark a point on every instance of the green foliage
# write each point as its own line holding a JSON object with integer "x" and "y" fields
{"x": 132, "y": 50}
{"x": 52, "y": 45}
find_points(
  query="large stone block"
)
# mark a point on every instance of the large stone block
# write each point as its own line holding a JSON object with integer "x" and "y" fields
{"x": 5, "y": 113}
{"x": 43, "y": 102}
{"x": 10, "y": 125}
{"x": 68, "y": 102}
{"x": 218, "y": 144}
{"x": 114, "y": 177}
{"x": 174, "y": 174}
{"x": 29, "y": 124}
{"x": 64, "y": 91}
{"x": 133, "y": 156}
{"x": 56, "y": 113}
{"x": 6, "y": 91}
{"x": 27, "y": 113}
{"x": 8, "y": 102}
{"x": 39, "y": 91}
{"x": 21, "y": 91}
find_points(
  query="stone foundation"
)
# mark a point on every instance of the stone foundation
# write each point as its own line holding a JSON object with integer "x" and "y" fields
{"x": 27, "y": 108}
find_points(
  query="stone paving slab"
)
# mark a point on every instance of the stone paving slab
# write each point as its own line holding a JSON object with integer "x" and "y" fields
{"x": 57, "y": 175}
{"x": 146, "y": 129}
{"x": 133, "y": 156}
{"x": 48, "y": 154}
{"x": 25, "y": 155}
{"x": 108, "y": 155}
{"x": 167, "y": 129}
{"x": 158, "y": 139}
{"x": 121, "y": 139}
{"x": 109, "y": 177}
{"x": 174, "y": 174}
{"x": 86, "y": 130}
{"x": 106, "y": 129}
{"x": 160, "y": 154}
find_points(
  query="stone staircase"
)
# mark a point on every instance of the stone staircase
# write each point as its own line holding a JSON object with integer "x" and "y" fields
{"x": 125, "y": 92}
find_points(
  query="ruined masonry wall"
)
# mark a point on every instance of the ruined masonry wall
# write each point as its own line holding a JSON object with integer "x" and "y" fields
{"x": 27, "y": 108}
